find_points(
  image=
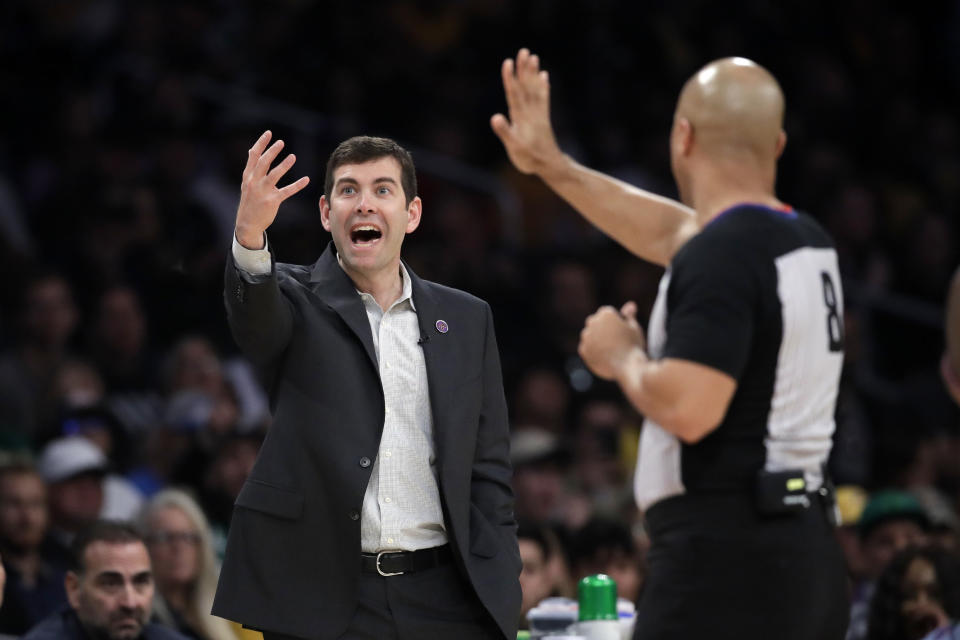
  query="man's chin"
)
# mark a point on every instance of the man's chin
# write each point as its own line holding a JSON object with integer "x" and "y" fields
{"x": 364, "y": 263}
{"x": 126, "y": 631}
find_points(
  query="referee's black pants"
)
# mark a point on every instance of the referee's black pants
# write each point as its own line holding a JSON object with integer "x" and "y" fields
{"x": 718, "y": 569}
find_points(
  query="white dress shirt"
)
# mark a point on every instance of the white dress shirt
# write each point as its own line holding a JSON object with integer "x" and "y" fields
{"x": 401, "y": 507}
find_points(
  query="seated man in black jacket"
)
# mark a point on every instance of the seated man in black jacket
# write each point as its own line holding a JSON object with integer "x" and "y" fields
{"x": 110, "y": 590}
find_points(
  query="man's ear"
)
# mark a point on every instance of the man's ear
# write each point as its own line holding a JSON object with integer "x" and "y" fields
{"x": 781, "y": 143}
{"x": 414, "y": 210}
{"x": 325, "y": 213}
{"x": 71, "y": 583}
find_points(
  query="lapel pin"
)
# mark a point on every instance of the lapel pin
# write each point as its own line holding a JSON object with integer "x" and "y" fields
{"x": 442, "y": 326}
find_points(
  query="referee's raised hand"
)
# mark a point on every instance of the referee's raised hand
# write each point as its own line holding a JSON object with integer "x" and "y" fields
{"x": 527, "y": 135}
{"x": 260, "y": 197}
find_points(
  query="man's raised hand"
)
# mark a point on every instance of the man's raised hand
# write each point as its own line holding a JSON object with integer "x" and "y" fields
{"x": 260, "y": 197}
{"x": 527, "y": 135}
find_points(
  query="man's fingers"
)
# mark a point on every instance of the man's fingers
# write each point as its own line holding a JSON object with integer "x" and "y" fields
{"x": 543, "y": 85}
{"x": 253, "y": 153}
{"x": 509, "y": 84}
{"x": 533, "y": 83}
{"x": 527, "y": 70}
{"x": 523, "y": 77}
{"x": 263, "y": 164}
{"x": 522, "y": 56}
{"x": 277, "y": 172}
{"x": 293, "y": 187}
{"x": 501, "y": 127}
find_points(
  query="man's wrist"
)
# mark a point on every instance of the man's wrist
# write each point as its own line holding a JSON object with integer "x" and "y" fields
{"x": 252, "y": 239}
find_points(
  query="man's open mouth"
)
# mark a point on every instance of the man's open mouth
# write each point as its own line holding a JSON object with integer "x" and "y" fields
{"x": 365, "y": 234}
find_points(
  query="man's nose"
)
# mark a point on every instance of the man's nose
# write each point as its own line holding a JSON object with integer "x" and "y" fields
{"x": 129, "y": 597}
{"x": 365, "y": 205}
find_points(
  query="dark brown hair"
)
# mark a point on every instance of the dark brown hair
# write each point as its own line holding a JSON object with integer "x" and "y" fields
{"x": 361, "y": 149}
{"x": 109, "y": 531}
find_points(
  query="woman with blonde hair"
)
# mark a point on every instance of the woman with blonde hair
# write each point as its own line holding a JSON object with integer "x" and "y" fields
{"x": 184, "y": 568}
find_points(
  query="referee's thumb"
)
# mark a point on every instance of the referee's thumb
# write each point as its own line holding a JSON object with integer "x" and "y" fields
{"x": 629, "y": 312}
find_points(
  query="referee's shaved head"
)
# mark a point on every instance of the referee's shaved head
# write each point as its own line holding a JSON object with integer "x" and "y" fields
{"x": 734, "y": 105}
{"x": 727, "y": 130}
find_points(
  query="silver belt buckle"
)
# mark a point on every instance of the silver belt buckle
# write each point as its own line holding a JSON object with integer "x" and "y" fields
{"x": 381, "y": 571}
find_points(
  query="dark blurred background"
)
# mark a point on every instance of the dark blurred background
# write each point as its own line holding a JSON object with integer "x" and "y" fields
{"x": 126, "y": 130}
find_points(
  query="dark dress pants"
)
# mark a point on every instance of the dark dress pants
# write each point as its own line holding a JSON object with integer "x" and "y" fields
{"x": 436, "y": 603}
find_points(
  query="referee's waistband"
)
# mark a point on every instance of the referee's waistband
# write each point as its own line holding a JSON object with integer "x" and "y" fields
{"x": 397, "y": 563}
{"x": 727, "y": 510}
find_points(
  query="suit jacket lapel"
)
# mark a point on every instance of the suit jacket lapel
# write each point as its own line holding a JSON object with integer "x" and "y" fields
{"x": 332, "y": 285}
{"x": 437, "y": 355}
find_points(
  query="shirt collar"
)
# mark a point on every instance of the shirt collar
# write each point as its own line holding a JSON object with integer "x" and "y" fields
{"x": 406, "y": 292}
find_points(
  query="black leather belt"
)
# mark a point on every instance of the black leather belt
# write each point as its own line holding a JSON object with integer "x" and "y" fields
{"x": 395, "y": 563}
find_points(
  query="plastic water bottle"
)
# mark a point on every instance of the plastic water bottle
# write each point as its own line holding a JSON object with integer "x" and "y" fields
{"x": 597, "y": 616}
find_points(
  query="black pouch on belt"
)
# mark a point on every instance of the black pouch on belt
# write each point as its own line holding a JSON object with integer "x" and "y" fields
{"x": 782, "y": 492}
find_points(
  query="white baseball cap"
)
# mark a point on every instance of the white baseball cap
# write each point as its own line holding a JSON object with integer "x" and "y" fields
{"x": 67, "y": 457}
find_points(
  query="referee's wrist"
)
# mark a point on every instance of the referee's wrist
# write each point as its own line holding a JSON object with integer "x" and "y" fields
{"x": 631, "y": 364}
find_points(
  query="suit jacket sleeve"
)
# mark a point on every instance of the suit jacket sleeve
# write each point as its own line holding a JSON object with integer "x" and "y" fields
{"x": 491, "y": 489}
{"x": 261, "y": 318}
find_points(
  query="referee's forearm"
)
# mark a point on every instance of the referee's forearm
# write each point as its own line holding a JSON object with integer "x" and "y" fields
{"x": 648, "y": 225}
{"x": 685, "y": 398}
{"x": 635, "y": 376}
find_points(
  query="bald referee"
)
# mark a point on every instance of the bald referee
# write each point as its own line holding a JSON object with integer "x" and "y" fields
{"x": 739, "y": 379}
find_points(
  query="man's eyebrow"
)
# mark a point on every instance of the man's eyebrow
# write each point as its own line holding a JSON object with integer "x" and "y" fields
{"x": 349, "y": 180}
{"x": 143, "y": 575}
{"x": 109, "y": 575}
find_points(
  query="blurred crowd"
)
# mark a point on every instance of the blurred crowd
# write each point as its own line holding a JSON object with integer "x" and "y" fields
{"x": 127, "y": 129}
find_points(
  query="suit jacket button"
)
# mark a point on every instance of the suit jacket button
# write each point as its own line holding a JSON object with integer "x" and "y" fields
{"x": 364, "y": 462}
{"x": 354, "y": 515}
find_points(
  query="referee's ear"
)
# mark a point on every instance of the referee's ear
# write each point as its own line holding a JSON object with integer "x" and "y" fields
{"x": 682, "y": 135}
{"x": 781, "y": 143}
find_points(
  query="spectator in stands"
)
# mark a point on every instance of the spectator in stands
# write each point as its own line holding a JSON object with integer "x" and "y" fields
{"x": 193, "y": 364}
{"x": 607, "y": 546}
{"x": 110, "y": 590}
{"x": 601, "y": 470}
{"x": 223, "y": 478}
{"x": 918, "y": 593}
{"x": 100, "y": 426}
{"x": 536, "y": 581}
{"x": 119, "y": 341}
{"x": 542, "y": 398}
{"x": 48, "y": 317}
{"x": 77, "y": 385}
{"x": 185, "y": 571}
{"x": 851, "y": 501}
{"x": 35, "y": 572}
{"x": 539, "y": 462}
{"x": 891, "y": 522}
{"x": 80, "y": 490}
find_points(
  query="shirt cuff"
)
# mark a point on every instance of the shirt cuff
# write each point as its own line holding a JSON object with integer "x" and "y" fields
{"x": 256, "y": 262}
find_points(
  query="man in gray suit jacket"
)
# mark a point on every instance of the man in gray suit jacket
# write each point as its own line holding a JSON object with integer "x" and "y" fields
{"x": 380, "y": 505}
